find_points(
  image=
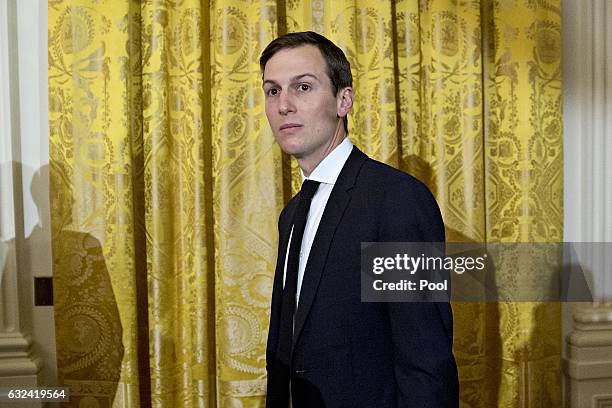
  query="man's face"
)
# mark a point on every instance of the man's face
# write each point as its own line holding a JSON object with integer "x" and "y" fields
{"x": 300, "y": 105}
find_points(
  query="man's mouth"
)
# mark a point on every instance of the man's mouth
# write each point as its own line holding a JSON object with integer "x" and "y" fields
{"x": 290, "y": 126}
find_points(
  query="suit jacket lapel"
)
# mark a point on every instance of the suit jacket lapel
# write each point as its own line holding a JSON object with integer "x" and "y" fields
{"x": 334, "y": 209}
{"x": 277, "y": 291}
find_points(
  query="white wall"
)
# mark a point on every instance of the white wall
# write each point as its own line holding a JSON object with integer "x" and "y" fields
{"x": 587, "y": 136}
{"x": 33, "y": 95}
{"x": 24, "y": 144}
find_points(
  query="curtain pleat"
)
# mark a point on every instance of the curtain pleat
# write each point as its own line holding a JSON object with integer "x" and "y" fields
{"x": 524, "y": 191}
{"x": 248, "y": 196}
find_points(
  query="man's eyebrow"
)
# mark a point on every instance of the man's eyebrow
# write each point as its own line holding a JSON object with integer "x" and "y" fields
{"x": 294, "y": 79}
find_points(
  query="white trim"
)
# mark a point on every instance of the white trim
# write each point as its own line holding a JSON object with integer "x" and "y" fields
{"x": 587, "y": 99}
{"x": 24, "y": 359}
{"x": 587, "y": 118}
{"x": 7, "y": 120}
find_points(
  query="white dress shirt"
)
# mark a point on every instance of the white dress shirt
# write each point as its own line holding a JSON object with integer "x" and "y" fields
{"x": 326, "y": 173}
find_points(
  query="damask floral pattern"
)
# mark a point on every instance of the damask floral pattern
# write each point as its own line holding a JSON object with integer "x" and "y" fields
{"x": 162, "y": 157}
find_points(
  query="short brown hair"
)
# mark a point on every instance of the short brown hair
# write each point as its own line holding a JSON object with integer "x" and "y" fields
{"x": 338, "y": 67}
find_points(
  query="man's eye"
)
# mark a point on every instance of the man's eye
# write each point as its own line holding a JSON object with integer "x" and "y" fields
{"x": 272, "y": 91}
{"x": 304, "y": 87}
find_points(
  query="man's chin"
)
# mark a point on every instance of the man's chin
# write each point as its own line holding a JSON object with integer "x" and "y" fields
{"x": 295, "y": 151}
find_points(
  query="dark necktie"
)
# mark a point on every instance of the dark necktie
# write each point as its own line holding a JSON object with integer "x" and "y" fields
{"x": 285, "y": 339}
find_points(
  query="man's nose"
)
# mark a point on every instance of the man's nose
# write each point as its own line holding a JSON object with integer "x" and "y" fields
{"x": 285, "y": 104}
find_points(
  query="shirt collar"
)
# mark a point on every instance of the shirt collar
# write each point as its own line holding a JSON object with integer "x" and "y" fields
{"x": 328, "y": 170}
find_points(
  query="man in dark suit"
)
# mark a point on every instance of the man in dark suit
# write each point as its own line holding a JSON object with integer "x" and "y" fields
{"x": 327, "y": 348}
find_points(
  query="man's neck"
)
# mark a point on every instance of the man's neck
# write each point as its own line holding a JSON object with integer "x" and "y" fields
{"x": 310, "y": 163}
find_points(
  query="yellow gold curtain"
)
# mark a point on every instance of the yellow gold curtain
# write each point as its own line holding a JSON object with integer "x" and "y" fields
{"x": 166, "y": 183}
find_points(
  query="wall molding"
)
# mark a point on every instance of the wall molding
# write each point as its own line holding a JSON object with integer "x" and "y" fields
{"x": 18, "y": 363}
{"x": 587, "y": 135}
{"x": 604, "y": 401}
{"x": 587, "y": 99}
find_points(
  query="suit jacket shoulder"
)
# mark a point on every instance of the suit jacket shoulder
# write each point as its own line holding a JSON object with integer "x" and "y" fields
{"x": 408, "y": 210}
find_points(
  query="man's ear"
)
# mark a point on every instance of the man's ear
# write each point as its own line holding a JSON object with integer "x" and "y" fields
{"x": 344, "y": 100}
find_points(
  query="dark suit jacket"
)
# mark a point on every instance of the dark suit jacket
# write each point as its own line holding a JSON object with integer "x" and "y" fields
{"x": 348, "y": 353}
